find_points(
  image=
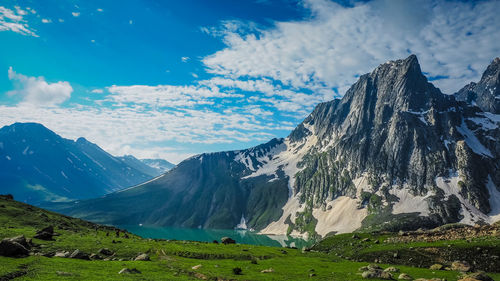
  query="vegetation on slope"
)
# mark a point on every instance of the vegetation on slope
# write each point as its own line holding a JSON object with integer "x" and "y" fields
{"x": 172, "y": 260}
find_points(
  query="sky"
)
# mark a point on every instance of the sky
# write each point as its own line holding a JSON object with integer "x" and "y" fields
{"x": 171, "y": 79}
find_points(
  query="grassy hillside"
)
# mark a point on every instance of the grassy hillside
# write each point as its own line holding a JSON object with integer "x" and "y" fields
{"x": 181, "y": 260}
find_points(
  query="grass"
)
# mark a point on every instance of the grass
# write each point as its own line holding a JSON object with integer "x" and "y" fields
{"x": 174, "y": 260}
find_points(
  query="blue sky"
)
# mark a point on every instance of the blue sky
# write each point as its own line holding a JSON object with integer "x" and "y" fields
{"x": 171, "y": 79}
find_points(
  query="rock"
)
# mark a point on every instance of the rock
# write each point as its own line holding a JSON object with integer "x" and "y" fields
{"x": 436, "y": 266}
{"x": 129, "y": 271}
{"x": 62, "y": 273}
{"x": 355, "y": 236}
{"x": 227, "y": 240}
{"x": 391, "y": 269}
{"x": 284, "y": 252}
{"x": 9, "y": 248}
{"x": 105, "y": 251}
{"x": 460, "y": 266}
{"x": 142, "y": 257}
{"x": 22, "y": 240}
{"x": 396, "y": 255}
{"x": 477, "y": 276}
{"x": 366, "y": 240}
{"x": 63, "y": 254}
{"x": 312, "y": 274}
{"x": 77, "y": 254}
{"x": 196, "y": 267}
{"x": 215, "y": 242}
{"x": 376, "y": 242}
{"x": 237, "y": 271}
{"x": 404, "y": 276}
{"x": 95, "y": 257}
{"x": 200, "y": 276}
{"x": 45, "y": 234}
{"x": 269, "y": 270}
{"x": 376, "y": 273}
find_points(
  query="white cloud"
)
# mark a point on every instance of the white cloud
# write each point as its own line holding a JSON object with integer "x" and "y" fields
{"x": 185, "y": 59}
{"x": 336, "y": 44}
{"x": 46, "y": 20}
{"x": 97, "y": 91}
{"x": 36, "y": 91}
{"x": 130, "y": 22}
{"x": 99, "y": 10}
{"x": 61, "y": 20}
{"x": 13, "y": 21}
{"x": 76, "y": 14}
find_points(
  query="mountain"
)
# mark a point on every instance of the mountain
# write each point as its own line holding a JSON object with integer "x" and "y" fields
{"x": 393, "y": 153}
{"x": 141, "y": 166}
{"x": 37, "y": 165}
{"x": 486, "y": 93}
{"x": 159, "y": 164}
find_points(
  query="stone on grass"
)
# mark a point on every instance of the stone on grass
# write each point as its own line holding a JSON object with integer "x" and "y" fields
{"x": 142, "y": 257}
{"x": 237, "y": 271}
{"x": 404, "y": 276}
{"x": 129, "y": 271}
{"x": 462, "y": 266}
{"x": 227, "y": 240}
{"x": 63, "y": 254}
{"x": 436, "y": 266}
{"x": 77, "y": 254}
{"x": 477, "y": 276}
{"x": 13, "y": 249}
{"x": 196, "y": 267}
{"x": 105, "y": 251}
{"x": 269, "y": 270}
{"x": 45, "y": 234}
{"x": 62, "y": 273}
{"x": 391, "y": 269}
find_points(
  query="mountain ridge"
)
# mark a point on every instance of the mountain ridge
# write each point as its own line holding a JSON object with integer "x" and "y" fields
{"x": 37, "y": 165}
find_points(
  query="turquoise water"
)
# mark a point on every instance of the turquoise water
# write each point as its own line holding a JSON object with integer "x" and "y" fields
{"x": 208, "y": 235}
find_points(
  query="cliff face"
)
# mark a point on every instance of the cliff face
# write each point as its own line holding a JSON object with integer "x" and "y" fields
{"x": 393, "y": 153}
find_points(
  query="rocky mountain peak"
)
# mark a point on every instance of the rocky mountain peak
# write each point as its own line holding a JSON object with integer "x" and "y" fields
{"x": 486, "y": 93}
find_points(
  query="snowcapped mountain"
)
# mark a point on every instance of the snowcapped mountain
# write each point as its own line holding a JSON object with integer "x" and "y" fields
{"x": 393, "y": 153}
{"x": 158, "y": 164}
{"x": 37, "y": 165}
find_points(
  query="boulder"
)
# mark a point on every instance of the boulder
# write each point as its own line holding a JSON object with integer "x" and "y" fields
{"x": 477, "y": 276}
{"x": 63, "y": 254}
{"x": 95, "y": 257}
{"x": 269, "y": 270}
{"x": 129, "y": 271}
{"x": 376, "y": 274}
{"x": 404, "y": 276}
{"x": 142, "y": 257}
{"x": 9, "y": 248}
{"x": 237, "y": 271}
{"x": 462, "y": 266}
{"x": 22, "y": 240}
{"x": 77, "y": 254}
{"x": 391, "y": 269}
{"x": 45, "y": 234}
{"x": 105, "y": 251}
{"x": 196, "y": 267}
{"x": 436, "y": 266}
{"x": 227, "y": 240}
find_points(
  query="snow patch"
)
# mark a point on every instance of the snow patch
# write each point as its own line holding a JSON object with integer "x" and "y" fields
{"x": 450, "y": 187}
{"x": 472, "y": 141}
{"x": 25, "y": 151}
{"x": 8, "y": 157}
{"x": 409, "y": 203}
{"x": 343, "y": 217}
{"x": 290, "y": 209}
{"x": 64, "y": 175}
{"x": 494, "y": 201}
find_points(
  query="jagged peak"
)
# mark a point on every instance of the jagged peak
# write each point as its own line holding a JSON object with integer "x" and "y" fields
{"x": 492, "y": 69}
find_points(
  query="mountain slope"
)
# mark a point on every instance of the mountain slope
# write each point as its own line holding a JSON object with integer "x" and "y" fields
{"x": 393, "y": 153}
{"x": 37, "y": 165}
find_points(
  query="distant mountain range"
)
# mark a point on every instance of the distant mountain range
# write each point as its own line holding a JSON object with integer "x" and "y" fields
{"x": 37, "y": 165}
{"x": 159, "y": 164}
{"x": 394, "y": 153}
